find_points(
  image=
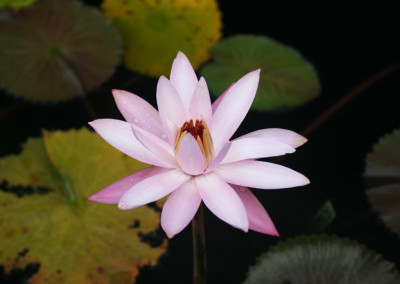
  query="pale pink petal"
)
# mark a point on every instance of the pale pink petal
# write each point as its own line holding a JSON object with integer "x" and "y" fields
{"x": 159, "y": 147}
{"x": 278, "y": 135}
{"x": 119, "y": 134}
{"x": 153, "y": 188}
{"x": 255, "y": 148}
{"x": 222, "y": 200}
{"x": 221, "y": 155}
{"x": 180, "y": 208}
{"x": 191, "y": 159}
{"x": 183, "y": 78}
{"x": 170, "y": 107}
{"x": 139, "y": 112}
{"x": 113, "y": 193}
{"x": 233, "y": 108}
{"x": 200, "y": 107}
{"x": 216, "y": 103}
{"x": 258, "y": 174}
{"x": 259, "y": 219}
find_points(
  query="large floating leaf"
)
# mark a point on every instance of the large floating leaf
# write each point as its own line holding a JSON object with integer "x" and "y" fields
{"x": 55, "y": 50}
{"x": 287, "y": 79}
{"x": 383, "y": 166}
{"x": 73, "y": 240}
{"x": 154, "y": 31}
{"x": 322, "y": 259}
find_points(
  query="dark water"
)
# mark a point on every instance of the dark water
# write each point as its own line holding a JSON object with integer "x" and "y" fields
{"x": 347, "y": 45}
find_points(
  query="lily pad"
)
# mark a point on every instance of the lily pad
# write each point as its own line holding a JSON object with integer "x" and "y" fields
{"x": 383, "y": 167}
{"x": 55, "y": 50}
{"x": 154, "y": 31}
{"x": 16, "y": 4}
{"x": 46, "y": 219}
{"x": 287, "y": 79}
{"x": 322, "y": 259}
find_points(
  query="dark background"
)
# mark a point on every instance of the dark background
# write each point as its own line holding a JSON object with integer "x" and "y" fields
{"x": 347, "y": 44}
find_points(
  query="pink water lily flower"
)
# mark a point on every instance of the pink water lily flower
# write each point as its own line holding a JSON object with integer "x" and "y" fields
{"x": 187, "y": 143}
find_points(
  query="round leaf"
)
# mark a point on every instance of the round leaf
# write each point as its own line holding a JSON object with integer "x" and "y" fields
{"x": 154, "y": 31}
{"x": 55, "y": 50}
{"x": 287, "y": 79}
{"x": 44, "y": 212}
{"x": 322, "y": 259}
{"x": 383, "y": 165}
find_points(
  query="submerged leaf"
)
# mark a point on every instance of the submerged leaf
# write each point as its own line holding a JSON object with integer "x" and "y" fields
{"x": 44, "y": 212}
{"x": 55, "y": 50}
{"x": 154, "y": 31}
{"x": 383, "y": 166}
{"x": 287, "y": 79}
{"x": 322, "y": 259}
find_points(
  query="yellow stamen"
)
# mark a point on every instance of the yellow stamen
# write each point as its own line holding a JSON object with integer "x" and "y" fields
{"x": 201, "y": 134}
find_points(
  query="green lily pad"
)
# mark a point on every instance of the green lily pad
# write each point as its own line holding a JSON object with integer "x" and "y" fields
{"x": 383, "y": 167}
{"x": 322, "y": 259}
{"x": 44, "y": 212}
{"x": 16, "y": 4}
{"x": 55, "y": 50}
{"x": 287, "y": 79}
{"x": 154, "y": 31}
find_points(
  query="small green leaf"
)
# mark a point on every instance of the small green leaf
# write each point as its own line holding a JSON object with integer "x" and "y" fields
{"x": 154, "y": 31}
{"x": 322, "y": 259}
{"x": 55, "y": 50}
{"x": 44, "y": 211}
{"x": 383, "y": 169}
{"x": 286, "y": 79}
{"x": 322, "y": 219}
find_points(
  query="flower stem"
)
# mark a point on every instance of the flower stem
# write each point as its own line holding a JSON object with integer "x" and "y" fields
{"x": 348, "y": 97}
{"x": 199, "y": 248}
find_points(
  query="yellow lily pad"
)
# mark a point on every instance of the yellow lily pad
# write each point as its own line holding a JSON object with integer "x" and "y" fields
{"x": 56, "y": 50}
{"x": 44, "y": 212}
{"x": 155, "y": 30}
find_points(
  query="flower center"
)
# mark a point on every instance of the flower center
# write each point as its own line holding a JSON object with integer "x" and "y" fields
{"x": 201, "y": 134}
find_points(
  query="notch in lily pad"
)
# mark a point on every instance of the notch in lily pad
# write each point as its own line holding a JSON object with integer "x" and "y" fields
{"x": 55, "y": 50}
{"x": 75, "y": 241}
{"x": 287, "y": 79}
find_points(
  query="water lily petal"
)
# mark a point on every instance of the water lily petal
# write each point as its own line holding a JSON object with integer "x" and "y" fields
{"x": 233, "y": 108}
{"x": 222, "y": 200}
{"x": 220, "y": 157}
{"x": 113, "y": 193}
{"x": 219, "y": 99}
{"x": 159, "y": 147}
{"x": 170, "y": 107}
{"x": 255, "y": 148}
{"x": 258, "y": 174}
{"x": 180, "y": 208}
{"x": 119, "y": 134}
{"x": 139, "y": 112}
{"x": 183, "y": 78}
{"x": 278, "y": 135}
{"x": 200, "y": 107}
{"x": 153, "y": 188}
{"x": 259, "y": 219}
{"x": 191, "y": 159}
